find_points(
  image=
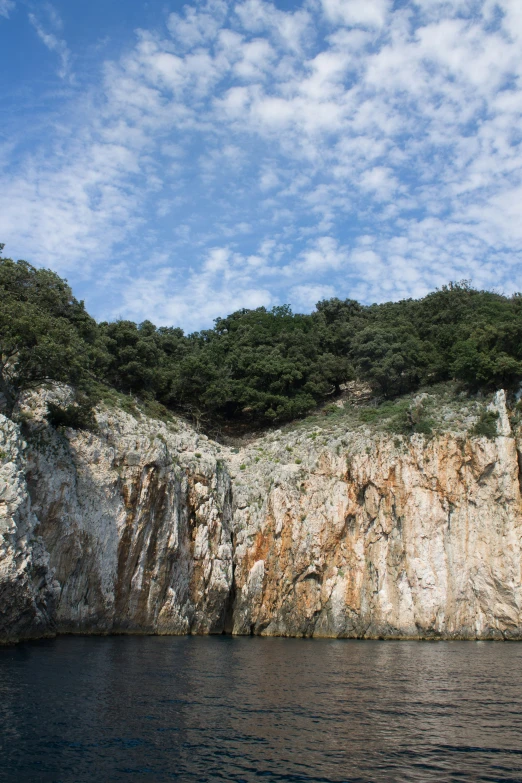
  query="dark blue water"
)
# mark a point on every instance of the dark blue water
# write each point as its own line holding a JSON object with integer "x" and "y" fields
{"x": 223, "y": 709}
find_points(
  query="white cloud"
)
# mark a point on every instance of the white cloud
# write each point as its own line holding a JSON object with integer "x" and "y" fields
{"x": 6, "y": 6}
{"x": 307, "y": 296}
{"x": 366, "y": 13}
{"x": 52, "y": 41}
{"x": 269, "y": 178}
{"x": 291, "y": 30}
{"x": 223, "y": 285}
{"x": 380, "y": 181}
{"x": 197, "y": 26}
{"x": 322, "y": 255}
{"x": 74, "y": 210}
{"x": 229, "y": 157}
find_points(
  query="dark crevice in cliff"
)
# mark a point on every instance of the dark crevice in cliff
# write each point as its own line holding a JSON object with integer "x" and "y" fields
{"x": 519, "y": 460}
{"x": 228, "y": 611}
{"x": 228, "y": 515}
{"x": 349, "y": 526}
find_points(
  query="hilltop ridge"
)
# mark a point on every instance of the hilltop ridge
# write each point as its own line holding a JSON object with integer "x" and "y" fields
{"x": 254, "y": 367}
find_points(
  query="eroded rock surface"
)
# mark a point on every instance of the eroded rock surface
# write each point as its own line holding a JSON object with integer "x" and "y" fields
{"x": 418, "y": 541}
{"x": 145, "y": 527}
{"x": 134, "y": 529}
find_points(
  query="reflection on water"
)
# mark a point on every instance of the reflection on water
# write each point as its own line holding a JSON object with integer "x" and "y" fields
{"x": 209, "y": 709}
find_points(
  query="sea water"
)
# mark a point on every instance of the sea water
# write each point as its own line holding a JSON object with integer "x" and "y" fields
{"x": 77, "y": 709}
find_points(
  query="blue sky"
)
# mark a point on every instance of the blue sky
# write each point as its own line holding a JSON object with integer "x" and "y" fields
{"x": 177, "y": 162}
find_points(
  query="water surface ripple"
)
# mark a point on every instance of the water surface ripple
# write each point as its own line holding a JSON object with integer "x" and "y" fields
{"x": 78, "y": 709}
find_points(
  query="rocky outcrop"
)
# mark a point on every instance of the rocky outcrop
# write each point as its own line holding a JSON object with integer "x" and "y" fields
{"x": 129, "y": 529}
{"x": 419, "y": 542}
{"x": 146, "y": 527}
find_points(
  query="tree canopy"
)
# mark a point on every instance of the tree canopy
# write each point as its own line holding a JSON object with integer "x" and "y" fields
{"x": 45, "y": 333}
{"x": 259, "y": 365}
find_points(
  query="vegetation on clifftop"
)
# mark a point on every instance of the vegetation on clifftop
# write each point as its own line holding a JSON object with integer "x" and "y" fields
{"x": 254, "y": 366}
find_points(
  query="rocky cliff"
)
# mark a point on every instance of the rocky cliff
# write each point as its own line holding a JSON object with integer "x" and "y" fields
{"x": 147, "y": 527}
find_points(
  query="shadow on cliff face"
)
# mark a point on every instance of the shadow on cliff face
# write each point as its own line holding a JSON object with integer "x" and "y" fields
{"x": 143, "y": 548}
{"x": 149, "y": 496}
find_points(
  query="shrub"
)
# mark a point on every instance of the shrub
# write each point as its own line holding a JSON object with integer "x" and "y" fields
{"x": 76, "y": 416}
{"x": 423, "y": 427}
{"x": 486, "y": 426}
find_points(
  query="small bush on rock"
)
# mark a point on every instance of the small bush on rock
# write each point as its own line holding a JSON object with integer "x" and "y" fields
{"x": 77, "y": 416}
{"x": 486, "y": 425}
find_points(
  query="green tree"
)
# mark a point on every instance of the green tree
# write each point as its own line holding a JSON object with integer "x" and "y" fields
{"x": 40, "y": 331}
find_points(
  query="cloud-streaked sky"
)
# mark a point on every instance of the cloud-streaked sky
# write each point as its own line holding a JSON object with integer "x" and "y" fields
{"x": 178, "y": 162}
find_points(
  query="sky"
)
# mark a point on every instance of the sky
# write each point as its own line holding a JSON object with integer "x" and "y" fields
{"x": 176, "y": 162}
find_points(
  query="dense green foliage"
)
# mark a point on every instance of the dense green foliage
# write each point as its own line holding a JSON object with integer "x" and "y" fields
{"x": 45, "y": 333}
{"x": 255, "y": 365}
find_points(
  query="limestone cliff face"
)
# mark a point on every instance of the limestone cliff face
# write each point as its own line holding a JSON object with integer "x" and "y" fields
{"x": 423, "y": 541}
{"x": 128, "y": 531}
{"x": 151, "y": 528}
